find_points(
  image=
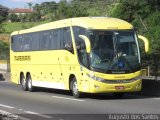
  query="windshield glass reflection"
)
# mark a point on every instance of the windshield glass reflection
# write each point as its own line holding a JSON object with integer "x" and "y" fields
{"x": 114, "y": 52}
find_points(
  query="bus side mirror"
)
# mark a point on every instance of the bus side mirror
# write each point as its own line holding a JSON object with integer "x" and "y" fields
{"x": 146, "y": 42}
{"x": 87, "y": 43}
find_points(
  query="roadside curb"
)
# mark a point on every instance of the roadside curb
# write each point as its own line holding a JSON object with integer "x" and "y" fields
{"x": 150, "y": 87}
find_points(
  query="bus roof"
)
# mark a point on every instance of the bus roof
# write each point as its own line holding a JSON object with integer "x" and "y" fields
{"x": 101, "y": 23}
{"x": 86, "y": 22}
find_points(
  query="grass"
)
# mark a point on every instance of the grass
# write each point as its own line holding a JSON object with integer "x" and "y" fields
{"x": 14, "y": 26}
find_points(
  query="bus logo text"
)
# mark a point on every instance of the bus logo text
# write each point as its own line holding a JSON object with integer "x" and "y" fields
{"x": 22, "y": 58}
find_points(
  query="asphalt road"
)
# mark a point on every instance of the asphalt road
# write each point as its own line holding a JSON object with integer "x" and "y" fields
{"x": 48, "y": 104}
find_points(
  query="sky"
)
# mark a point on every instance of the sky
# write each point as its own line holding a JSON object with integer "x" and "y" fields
{"x": 21, "y": 3}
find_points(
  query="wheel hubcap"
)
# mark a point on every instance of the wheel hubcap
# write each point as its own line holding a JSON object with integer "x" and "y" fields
{"x": 23, "y": 82}
{"x": 29, "y": 83}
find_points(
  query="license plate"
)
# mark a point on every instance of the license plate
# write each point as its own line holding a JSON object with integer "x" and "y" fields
{"x": 119, "y": 87}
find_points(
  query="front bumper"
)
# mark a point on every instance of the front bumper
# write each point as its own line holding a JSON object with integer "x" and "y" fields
{"x": 100, "y": 87}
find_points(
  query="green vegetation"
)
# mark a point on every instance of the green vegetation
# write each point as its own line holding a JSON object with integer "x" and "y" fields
{"x": 4, "y": 50}
{"x": 51, "y": 11}
{"x": 144, "y": 15}
{"x": 2, "y": 29}
{"x": 14, "y": 26}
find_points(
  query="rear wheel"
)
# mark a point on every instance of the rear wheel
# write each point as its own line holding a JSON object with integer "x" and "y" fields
{"x": 74, "y": 87}
{"x": 29, "y": 83}
{"x": 23, "y": 83}
{"x": 118, "y": 95}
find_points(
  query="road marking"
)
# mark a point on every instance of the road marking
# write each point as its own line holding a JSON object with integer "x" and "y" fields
{"x": 4, "y": 112}
{"x": 40, "y": 115}
{"x": 10, "y": 115}
{"x": 6, "y": 106}
{"x": 156, "y": 98}
{"x": 67, "y": 98}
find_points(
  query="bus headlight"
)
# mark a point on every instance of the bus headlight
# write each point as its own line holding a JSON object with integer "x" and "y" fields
{"x": 92, "y": 76}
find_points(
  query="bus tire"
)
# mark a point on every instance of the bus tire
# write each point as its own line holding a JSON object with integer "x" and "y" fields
{"x": 29, "y": 83}
{"x": 118, "y": 95}
{"x": 23, "y": 83}
{"x": 74, "y": 88}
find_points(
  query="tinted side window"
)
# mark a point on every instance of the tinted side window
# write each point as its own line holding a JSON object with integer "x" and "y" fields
{"x": 34, "y": 41}
{"x": 80, "y": 44}
{"x": 44, "y": 40}
{"x": 13, "y": 43}
{"x": 66, "y": 37}
{"x": 17, "y": 44}
{"x": 26, "y": 42}
{"x": 55, "y": 39}
{"x": 78, "y": 31}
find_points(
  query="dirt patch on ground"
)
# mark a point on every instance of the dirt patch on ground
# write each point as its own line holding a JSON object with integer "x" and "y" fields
{"x": 3, "y": 61}
{"x": 5, "y": 37}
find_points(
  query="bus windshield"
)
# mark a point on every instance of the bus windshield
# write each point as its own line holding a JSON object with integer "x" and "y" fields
{"x": 114, "y": 51}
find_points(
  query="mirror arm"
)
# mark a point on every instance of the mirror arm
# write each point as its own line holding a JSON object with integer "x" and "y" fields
{"x": 146, "y": 42}
{"x": 87, "y": 43}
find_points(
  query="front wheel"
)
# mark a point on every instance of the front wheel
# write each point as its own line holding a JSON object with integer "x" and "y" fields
{"x": 74, "y": 87}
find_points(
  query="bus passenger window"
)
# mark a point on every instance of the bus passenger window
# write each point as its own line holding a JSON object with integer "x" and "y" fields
{"x": 67, "y": 42}
{"x": 26, "y": 43}
{"x": 34, "y": 41}
{"x": 45, "y": 41}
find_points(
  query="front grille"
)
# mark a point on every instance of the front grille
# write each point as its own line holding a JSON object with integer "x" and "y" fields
{"x": 119, "y": 81}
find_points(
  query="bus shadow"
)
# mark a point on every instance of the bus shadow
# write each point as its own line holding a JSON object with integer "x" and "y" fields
{"x": 110, "y": 96}
{"x": 53, "y": 91}
{"x": 107, "y": 96}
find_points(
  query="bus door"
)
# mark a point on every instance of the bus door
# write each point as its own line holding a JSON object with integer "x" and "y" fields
{"x": 66, "y": 55}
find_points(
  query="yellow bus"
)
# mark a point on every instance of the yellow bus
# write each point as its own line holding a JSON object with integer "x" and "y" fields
{"x": 84, "y": 55}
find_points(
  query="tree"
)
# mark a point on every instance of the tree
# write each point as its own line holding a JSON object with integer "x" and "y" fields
{"x": 30, "y": 5}
{"x": 73, "y": 8}
{"x": 45, "y": 10}
{"x": 32, "y": 17}
{"x": 1, "y": 24}
{"x": 129, "y": 9}
{"x": 37, "y": 10}
{"x": 3, "y": 12}
{"x": 145, "y": 15}
{"x": 3, "y": 17}
{"x": 14, "y": 18}
{"x": 4, "y": 50}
